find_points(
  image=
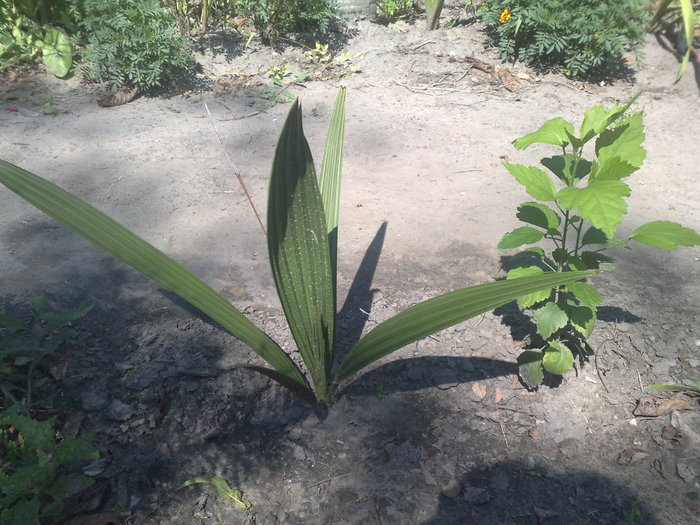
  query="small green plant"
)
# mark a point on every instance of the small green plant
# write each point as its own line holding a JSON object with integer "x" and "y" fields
{"x": 580, "y": 220}
{"x": 278, "y": 74}
{"x": 274, "y": 19}
{"x": 37, "y": 470}
{"x": 319, "y": 54}
{"x": 131, "y": 44}
{"x": 302, "y": 233}
{"x": 670, "y": 15}
{"x": 222, "y": 488}
{"x": 586, "y": 38}
{"x": 25, "y": 347}
{"x": 29, "y": 28}
{"x": 392, "y": 10}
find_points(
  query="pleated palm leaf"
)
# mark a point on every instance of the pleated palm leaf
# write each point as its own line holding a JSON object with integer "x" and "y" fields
{"x": 302, "y": 221}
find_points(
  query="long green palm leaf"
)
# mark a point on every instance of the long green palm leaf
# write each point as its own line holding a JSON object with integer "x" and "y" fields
{"x": 331, "y": 172}
{"x": 120, "y": 242}
{"x": 299, "y": 251}
{"x": 441, "y": 312}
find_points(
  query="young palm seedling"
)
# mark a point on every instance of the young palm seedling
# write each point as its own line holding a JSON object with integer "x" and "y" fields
{"x": 580, "y": 220}
{"x": 302, "y": 226}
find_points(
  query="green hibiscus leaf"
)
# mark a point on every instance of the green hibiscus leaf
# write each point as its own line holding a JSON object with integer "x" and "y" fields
{"x": 597, "y": 261}
{"x": 533, "y": 251}
{"x": 563, "y": 167}
{"x": 550, "y": 318}
{"x": 524, "y": 270}
{"x": 601, "y": 202}
{"x": 539, "y": 215}
{"x": 585, "y": 293}
{"x": 553, "y": 131}
{"x": 582, "y": 318}
{"x": 520, "y": 236}
{"x": 557, "y": 359}
{"x": 612, "y": 169}
{"x": 537, "y": 183}
{"x": 594, "y": 236}
{"x": 624, "y": 141}
{"x": 530, "y": 368}
{"x": 665, "y": 235}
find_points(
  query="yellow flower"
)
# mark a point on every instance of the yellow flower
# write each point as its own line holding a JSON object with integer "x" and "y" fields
{"x": 595, "y": 35}
{"x": 505, "y": 15}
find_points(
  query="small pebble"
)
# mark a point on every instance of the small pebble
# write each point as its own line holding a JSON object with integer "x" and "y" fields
{"x": 452, "y": 489}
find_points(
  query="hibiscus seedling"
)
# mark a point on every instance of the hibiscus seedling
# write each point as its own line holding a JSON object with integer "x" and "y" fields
{"x": 579, "y": 206}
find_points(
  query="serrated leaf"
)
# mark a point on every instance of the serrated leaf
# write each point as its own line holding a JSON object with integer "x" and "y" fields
{"x": 597, "y": 261}
{"x": 537, "y": 183}
{"x": 582, "y": 318}
{"x": 530, "y": 367}
{"x": 525, "y": 301}
{"x": 539, "y": 215}
{"x": 223, "y": 488}
{"x": 665, "y": 235}
{"x": 557, "y": 359}
{"x": 585, "y": 293}
{"x": 519, "y": 237}
{"x": 594, "y": 236}
{"x": 624, "y": 141}
{"x": 532, "y": 251}
{"x": 612, "y": 169}
{"x": 549, "y": 318}
{"x": 595, "y": 120}
{"x": 553, "y": 131}
{"x": 601, "y": 202}
{"x": 563, "y": 167}
{"x": 575, "y": 263}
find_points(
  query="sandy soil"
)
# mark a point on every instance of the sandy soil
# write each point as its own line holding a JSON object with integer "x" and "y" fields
{"x": 445, "y": 435}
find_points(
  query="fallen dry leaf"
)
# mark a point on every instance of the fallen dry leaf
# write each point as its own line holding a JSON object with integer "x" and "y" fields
{"x": 479, "y": 390}
{"x": 498, "y": 396}
{"x": 632, "y": 455}
{"x": 649, "y": 406}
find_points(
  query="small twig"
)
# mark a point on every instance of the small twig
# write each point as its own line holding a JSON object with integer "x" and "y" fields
{"x": 504, "y": 434}
{"x": 639, "y": 376}
{"x": 600, "y": 376}
{"x": 327, "y": 480}
{"x": 423, "y": 44}
{"x": 236, "y": 171}
{"x": 254, "y": 113}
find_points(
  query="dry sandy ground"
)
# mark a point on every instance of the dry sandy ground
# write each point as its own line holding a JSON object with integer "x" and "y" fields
{"x": 427, "y": 131}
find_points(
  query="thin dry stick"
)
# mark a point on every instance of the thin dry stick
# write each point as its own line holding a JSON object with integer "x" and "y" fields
{"x": 236, "y": 171}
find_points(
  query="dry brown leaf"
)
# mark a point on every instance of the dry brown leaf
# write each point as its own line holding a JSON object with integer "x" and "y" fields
{"x": 498, "y": 396}
{"x": 479, "y": 390}
{"x": 632, "y": 455}
{"x": 650, "y": 407}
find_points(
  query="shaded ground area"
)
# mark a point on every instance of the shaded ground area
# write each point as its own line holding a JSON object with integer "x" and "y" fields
{"x": 442, "y": 431}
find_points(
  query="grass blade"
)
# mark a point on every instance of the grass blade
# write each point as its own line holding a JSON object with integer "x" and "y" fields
{"x": 125, "y": 245}
{"x": 441, "y": 312}
{"x": 299, "y": 254}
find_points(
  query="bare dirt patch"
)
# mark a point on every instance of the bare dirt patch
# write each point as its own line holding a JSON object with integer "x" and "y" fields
{"x": 440, "y": 432}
